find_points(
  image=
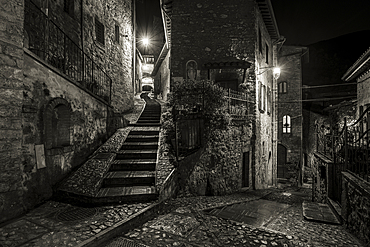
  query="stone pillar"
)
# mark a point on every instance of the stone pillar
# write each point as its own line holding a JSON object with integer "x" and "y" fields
{"x": 11, "y": 99}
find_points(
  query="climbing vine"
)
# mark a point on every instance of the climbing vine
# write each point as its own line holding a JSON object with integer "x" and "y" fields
{"x": 217, "y": 171}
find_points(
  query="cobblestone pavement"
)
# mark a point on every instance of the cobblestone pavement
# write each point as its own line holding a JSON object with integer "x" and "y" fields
{"x": 60, "y": 224}
{"x": 184, "y": 223}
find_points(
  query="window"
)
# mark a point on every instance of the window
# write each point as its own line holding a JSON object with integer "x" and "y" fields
{"x": 69, "y": 7}
{"x": 286, "y": 124}
{"x": 267, "y": 53}
{"x": 269, "y": 100}
{"x": 116, "y": 34}
{"x": 260, "y": 96}
{"x": 259, "y": 40}
{"x": 99, "y": 31}
{"x": 283, "y": 87}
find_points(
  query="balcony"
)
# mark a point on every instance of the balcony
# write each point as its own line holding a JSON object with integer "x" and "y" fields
{"x": 51, "y": 44}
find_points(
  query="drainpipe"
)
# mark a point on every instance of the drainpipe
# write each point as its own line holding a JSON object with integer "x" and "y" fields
{"x": 134, "y": 46}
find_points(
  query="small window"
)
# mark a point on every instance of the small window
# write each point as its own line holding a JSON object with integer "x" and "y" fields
{"x": 267, "y": 53}
{"x": 286, "y": 124}
{"x": 69, "y": 7}
{"x": 116, "y": 33}
{"x": 99, "y": 31}
{"x": 269, "y": 100}
{"x": 260, "y": 97}
{"x": 259, "y": 40}
{"x": 283, "y": 87}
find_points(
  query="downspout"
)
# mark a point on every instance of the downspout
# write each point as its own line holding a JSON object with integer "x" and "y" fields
{"x": 82, "y": 29}
{"x": 134, "y": 47}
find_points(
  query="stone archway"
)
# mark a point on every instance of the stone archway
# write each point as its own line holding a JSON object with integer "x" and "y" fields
{"x": 57, "y": 124}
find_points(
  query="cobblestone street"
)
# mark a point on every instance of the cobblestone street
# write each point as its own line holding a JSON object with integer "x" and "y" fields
{"x": 185, "y": 223}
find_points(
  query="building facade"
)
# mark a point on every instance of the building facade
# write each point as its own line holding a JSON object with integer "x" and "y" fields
{"x": 67, "y": 74}
{"x": 232, "y": 43}
{"x": 290, "y": 118}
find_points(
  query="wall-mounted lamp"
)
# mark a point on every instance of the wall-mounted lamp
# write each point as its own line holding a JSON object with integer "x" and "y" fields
{"x": 276, "y": 72}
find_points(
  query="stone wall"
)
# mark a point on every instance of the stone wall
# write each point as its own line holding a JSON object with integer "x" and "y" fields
{"x": 162, "y": 79}
{"x": 320, "y": 183}
{"x": 49, "y": 124}
{"x": 115, "y": 57}
{"x": 11, "y": 96}
{"x": 219, "y": 31}
{"x": 310, "y": 124}
{"x": 289, "y": 104}
{"x": 356, "y": 206}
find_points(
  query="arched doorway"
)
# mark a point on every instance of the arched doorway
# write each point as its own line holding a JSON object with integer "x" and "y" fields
{"x": 282, "y": 170}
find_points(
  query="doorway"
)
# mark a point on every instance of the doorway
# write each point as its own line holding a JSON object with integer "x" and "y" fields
{"x": 245, "y": 171}
{"x": 282, "y": 170}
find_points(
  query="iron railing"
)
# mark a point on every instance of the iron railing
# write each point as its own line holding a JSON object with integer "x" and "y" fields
{"x": 237, "y": 104}
{"x": 352, "y": 149}
{"x": 51, "y": 44}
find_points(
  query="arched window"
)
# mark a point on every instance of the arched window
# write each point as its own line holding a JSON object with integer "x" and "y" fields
{"x": 57, "y": 122}
{"x": 191, "y": 70}
{"x": 286, "y": 124}
{"x": 283, "y": 87}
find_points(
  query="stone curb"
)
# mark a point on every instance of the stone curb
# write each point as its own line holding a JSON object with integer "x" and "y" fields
{"x": 136, "y": 219}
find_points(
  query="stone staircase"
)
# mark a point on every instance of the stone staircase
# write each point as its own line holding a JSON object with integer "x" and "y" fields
{"x": 120, "y": 171}
{"x": 131, "y": 176}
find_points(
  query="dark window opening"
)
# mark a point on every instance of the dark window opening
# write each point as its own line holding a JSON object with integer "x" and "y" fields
{"x": 69, "y": 7}
{"x": 267, "y": 54}
{"x": 116, "y": 33}
{"x": 99, "y": 31}
{"x": 259, "y": 40}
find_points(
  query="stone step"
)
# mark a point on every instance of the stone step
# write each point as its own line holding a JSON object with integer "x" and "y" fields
{"x": 133, "y": 165}
{"x": 144, "y": 132}
{"x": 145, "y": 124}
{"x": 128, "y": 194}
{"x": 136, "y": 154}
{"x": 150, "y": 118}
{"x": 142, "y": 138}
{"x": 139, "y": 145}
{"x": 148, "y": 121}
{"x": 129, "y": 178}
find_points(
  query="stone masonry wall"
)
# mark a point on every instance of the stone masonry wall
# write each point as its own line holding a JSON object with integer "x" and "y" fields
{"x": 11, "y": 95}
{"x": 30, "y": 167}
{"x": 356, "y": 206}
{"x": 290, "y": 104}
{"x": 215, "y": 31}
{"x": 162, "y": 78}
{"x": 115, "y": 57}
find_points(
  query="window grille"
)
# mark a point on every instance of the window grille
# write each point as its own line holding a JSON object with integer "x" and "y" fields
{"x": 99, "y": 31}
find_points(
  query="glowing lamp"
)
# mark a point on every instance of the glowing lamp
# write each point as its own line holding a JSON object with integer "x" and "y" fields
{"x": 276, "y": 73}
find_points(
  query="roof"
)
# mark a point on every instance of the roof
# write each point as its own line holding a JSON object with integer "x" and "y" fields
{"x": 359, "y": 67}
{"x": 268, "y": 17}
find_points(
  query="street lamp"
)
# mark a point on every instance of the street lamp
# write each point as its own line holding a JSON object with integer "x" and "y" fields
{"x": 145, "y": 41}
{"x": 276, "y": 73}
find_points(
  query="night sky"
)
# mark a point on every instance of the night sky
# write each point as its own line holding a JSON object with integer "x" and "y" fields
{"x": 304, "y": 22}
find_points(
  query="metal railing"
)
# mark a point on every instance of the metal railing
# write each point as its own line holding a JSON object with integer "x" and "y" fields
{"x": 352, "y": 149}
{"x": 51, "y": 44}
{"x": 237, "y": 104}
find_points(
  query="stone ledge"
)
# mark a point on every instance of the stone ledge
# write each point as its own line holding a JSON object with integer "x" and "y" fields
{"x": 323, "y": 158}
{"x": 359, "y": 183}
